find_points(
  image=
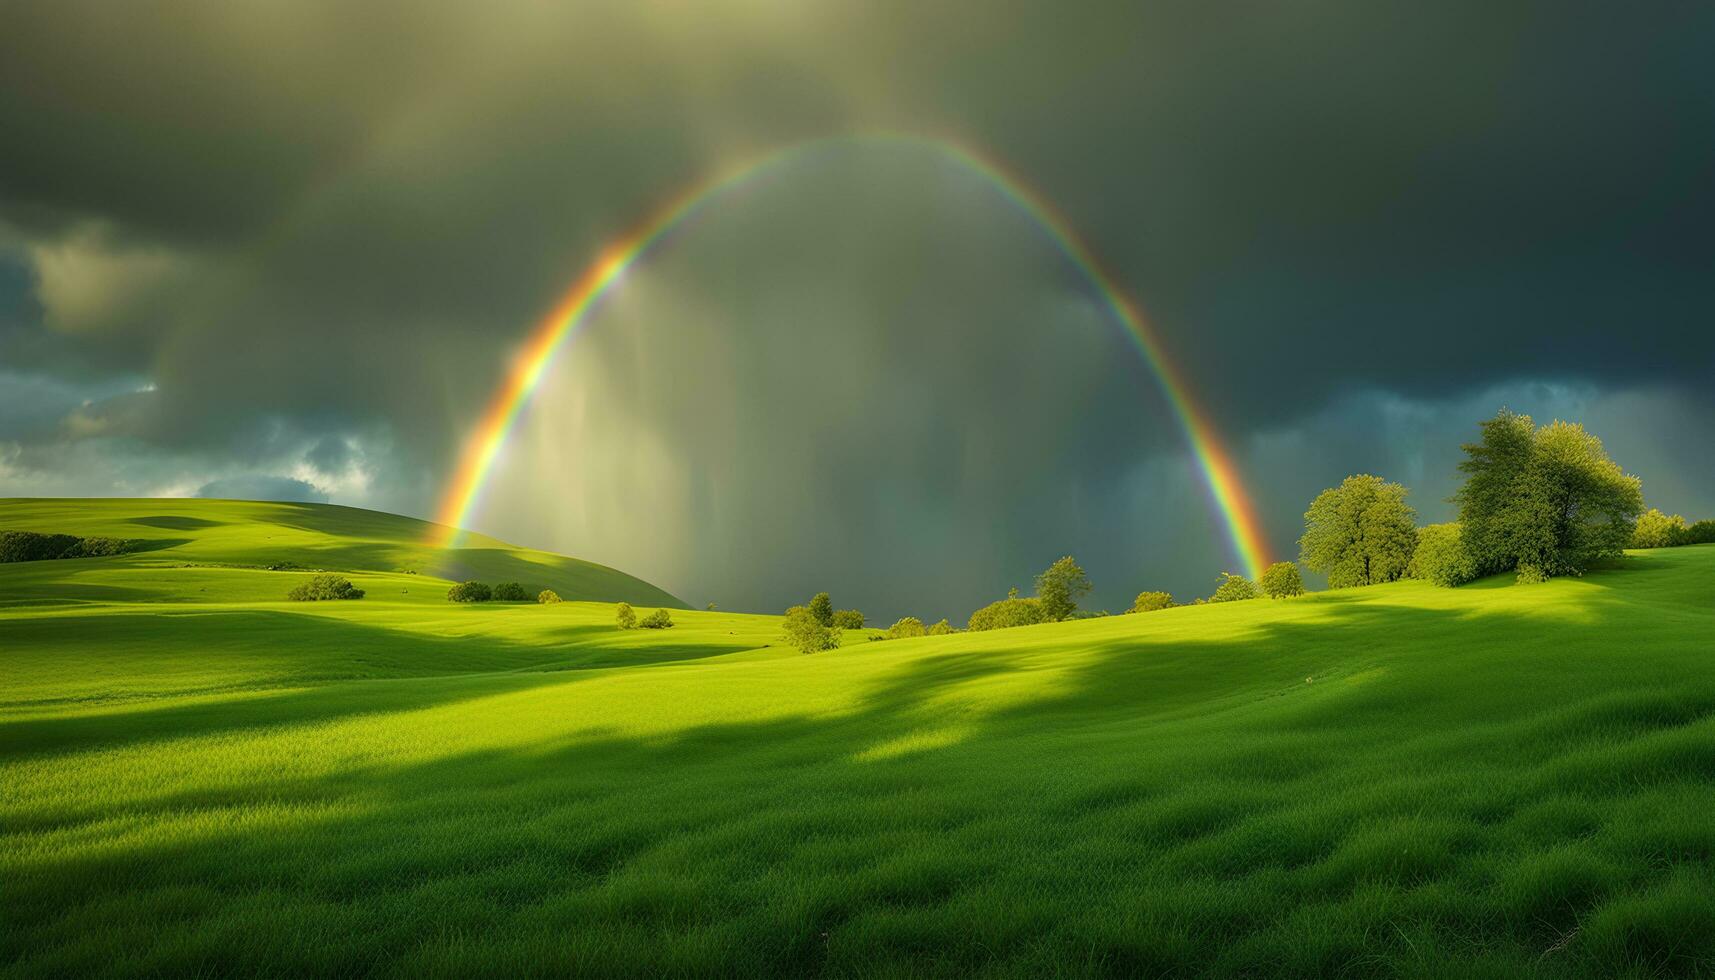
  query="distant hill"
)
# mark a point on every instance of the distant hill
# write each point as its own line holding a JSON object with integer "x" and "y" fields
{"x": 175, "y": 531}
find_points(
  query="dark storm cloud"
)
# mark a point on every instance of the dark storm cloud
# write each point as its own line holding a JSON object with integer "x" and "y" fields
{"x": 263, "y": 487}
{"x": 312, "y": 226}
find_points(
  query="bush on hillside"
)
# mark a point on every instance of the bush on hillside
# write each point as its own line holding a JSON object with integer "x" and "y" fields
{"x": 808, "y": 633}
{"x": 847, "y": 619}
{"x": 323, "y": 587}
{"x": 1359, "y": 533}
{"x": 1006, "y": 613}
{"x": 1703, "y": 532}
{"x": 1281, "y": 580}
{"x": 941, "y": 628}
{"x": 624, "y": 616}
{"x": 547, "y": 597}
{"x": 1441, "y": 557}
{"x": 36, "y": 546}
{"x": 1545, "y": 501}
{"x": 510, "y": 592}
{"x": 470, "y": 592}
{"x": 822, "y": 607}
{"x": 1059, "y": 588}
{"x": 1657, "y": 530}
{"x": 907, "y": 626}
{"x": 1151, "y": 601}
{"x": 1235, "y": 588}
{"x": 99, "y": 548}
{"x": 660, "y": 619}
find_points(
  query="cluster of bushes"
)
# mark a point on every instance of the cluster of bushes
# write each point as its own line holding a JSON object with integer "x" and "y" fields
{"x": 1657, "y": 530}
{"x": 324, "y": 587}
{"x": 35, "y": 546}
{"x": 1058, "y": 590}
{"x": 504, "y": 592}
{"x": 625, "y": 618}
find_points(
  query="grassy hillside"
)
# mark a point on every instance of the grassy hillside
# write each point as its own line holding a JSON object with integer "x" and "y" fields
{"x": 1489, "y": 781}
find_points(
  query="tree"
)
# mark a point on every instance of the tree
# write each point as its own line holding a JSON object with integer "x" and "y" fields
{"x": 822, "y": 608}
{"x": 624, "y": 616}
{"x": 660, "y": 619}
{"x": 848, "y": 619}
{"x": 1281, "y": 579}
{"x": 1657, "y": 530}
{"x": 1359, "y": 533}
{"x": 1703, "y": 532}
{"x": 804, "y": 630}
{"x": 1006, "y": 613}
{"x": 941, "y": 628}
{"x": 324, "y": 586}
{"x": 1544, "y": 501}
{"x": 547, "y": 597}
{"x": 510, "y": 592}
{"x": 470, "y": 592}
{"x": 908, "y": 626}
{"x": 1441, "y": 557}
{"x": 1235, "y": 588}
{"x": 1059, "y": 588}
{"x": 1151, "y": 601}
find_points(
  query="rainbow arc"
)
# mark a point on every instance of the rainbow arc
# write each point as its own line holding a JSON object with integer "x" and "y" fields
{"x": 1220, "y": 475}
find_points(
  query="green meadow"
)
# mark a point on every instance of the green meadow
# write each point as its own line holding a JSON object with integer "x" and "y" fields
{"x": 200, "y": 778}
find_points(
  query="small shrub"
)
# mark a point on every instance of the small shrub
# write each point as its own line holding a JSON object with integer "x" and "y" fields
{"x": 1703, "y": 532}
{"x": 324, "y": 587}
{"x": 941, "y": 628}
{"x": 1441, "y": 557}
{"x": 1657, "y": 530}
{"x": 906, "y": 627}
{"x": 848, "y": 619}
{"x": 1281, "y": 579}
{"x": 1151, "y": 601}
{"x": 1235, "y": 588}
{"x": 808, "y": 633}
{"x": 822, "y": 607}
{"x": 1005, "y": 614}
{"x": 624, "y": 616}
{"x": 710, "y": 607}
{"x": 548, "y": 597}
{"x": 470, "y": 592}
{"x": 510, "y": 592}
{"x": 99, "y": 548}
{"x": 660, "y": 619}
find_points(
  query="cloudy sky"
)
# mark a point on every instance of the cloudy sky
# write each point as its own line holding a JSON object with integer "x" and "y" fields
{"x": 288, "y": 250}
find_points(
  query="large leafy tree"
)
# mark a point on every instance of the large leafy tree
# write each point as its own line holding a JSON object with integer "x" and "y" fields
{"x": 1059, "y": 588}
{"x": 1359, "y": 533}
{"x": 1545, "y": 501}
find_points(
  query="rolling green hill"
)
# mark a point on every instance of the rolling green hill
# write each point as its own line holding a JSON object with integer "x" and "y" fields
{"x": 200, "y": 778}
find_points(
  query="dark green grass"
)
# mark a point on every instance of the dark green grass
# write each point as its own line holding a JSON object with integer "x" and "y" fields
{"x": 1495, "y": 781}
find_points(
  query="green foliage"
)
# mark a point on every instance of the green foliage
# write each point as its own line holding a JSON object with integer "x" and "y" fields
{"x": 1361, "y": 532}
{"x": 1703, "y": 532}
{"x": 1006, "y": 613}
{"x": 1281, "y": 580}
{"x": 848, "y": 619}
{"x": 660, "y": 619}
{"x": 1151, "y": 601}
{"x": 941, "y": 628}
{"x": 805, "y": 631}
{"x": 547, "y": 597}
{"x": 1059, "y": 588}
{"x": 1546, "y": 501}
{"x": 906, "y": 627}
{"x": 624, "y": 616}
{"x": 822, "y": 607}
{"x": 1657, "y": 530}
{"x": 1235, "y": 588}
{"x": 710, "y": 607}
{"x": 470, "y": 592}
{"x": 1441, "y": 557}
{"x": 35, "y": 546}
{"x": 510, "y": 592}
{"x": 322, "y": 587}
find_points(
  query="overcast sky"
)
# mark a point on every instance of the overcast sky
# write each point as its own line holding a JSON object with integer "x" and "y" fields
{"x": 287, "y": 250}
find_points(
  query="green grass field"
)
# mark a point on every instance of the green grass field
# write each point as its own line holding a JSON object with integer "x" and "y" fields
{"x": 200, "y": 778}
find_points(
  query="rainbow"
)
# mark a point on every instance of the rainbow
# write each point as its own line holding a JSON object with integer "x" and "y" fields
{"x": 1226, "y": 491}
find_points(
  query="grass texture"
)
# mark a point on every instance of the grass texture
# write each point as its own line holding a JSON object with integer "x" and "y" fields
{"x": 202, "y": 779}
